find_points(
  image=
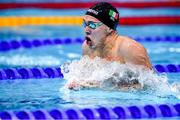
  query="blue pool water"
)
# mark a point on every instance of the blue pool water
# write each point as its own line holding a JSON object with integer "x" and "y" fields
{"x": 50, "y": 93}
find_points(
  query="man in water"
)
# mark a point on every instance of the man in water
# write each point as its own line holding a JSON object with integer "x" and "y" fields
{"x": 102, "y": 39}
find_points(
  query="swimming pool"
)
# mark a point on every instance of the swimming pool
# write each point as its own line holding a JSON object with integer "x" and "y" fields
{"x": 34, "y": 94}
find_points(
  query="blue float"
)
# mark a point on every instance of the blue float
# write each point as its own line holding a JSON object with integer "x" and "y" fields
{"x": 27, "y": 43}
{"x": 117, "y": 112}
{"x": 53, "y": 72}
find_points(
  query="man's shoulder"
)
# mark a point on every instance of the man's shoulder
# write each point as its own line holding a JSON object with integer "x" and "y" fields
{"x": 129, "y": 45}
{"x": 127, "y": 39}
{"x": 131, "y": 42}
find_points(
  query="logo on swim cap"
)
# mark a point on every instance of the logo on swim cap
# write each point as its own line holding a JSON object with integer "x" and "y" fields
{"x": 113, "y": 15}
{"x": 93, "y": 11}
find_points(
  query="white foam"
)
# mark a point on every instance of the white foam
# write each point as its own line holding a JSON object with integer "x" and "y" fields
{"x": 175, "y": 87}
{"x": 108, "y": 75}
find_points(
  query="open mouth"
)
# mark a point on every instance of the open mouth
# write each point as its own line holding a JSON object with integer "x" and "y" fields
{"x": 88, "y": 41}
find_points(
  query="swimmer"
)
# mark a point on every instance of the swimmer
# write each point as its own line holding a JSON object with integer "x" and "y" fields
{"x": 102, "y": 39}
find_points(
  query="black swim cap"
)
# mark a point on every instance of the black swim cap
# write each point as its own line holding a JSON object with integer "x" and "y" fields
{"x": 105, "y": 13}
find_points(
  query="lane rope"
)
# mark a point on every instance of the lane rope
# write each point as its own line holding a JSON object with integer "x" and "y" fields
{"x": 148, "y": 111}
{"x": 80, "y": 5}
{"x": 14, "y": 21}
{"x": 7, "y": 45}
{"x": 28, "y": 73}
{"x": 54, "y": 72}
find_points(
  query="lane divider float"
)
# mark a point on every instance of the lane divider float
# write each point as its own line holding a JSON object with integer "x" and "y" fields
{"x": 80, "y": 5}
{"x": 7, "y": 45}
{"x": 54, "y": 72}
{"x": 148, "y": 111}
{"x": 13, "y": 21}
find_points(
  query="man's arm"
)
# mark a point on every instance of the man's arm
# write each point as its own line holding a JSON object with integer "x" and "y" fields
{"x": 139, "y": 56}
{"x": 136, "y": 54}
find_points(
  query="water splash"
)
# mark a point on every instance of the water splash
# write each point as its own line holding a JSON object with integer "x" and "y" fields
{"x": 175, "y": 88}
{"x": 87, "y": 73}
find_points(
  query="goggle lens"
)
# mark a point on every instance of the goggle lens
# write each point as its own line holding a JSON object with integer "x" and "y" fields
{"x": 91, "y": 24}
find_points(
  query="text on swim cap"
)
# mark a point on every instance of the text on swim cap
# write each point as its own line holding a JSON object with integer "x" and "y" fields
{"x": 93, "y": 11}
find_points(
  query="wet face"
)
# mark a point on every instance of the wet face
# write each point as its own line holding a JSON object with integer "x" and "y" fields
{"x": 95, "y": 30}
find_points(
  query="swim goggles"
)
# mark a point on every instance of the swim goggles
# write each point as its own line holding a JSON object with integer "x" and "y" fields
{"x": 91, "y": 24}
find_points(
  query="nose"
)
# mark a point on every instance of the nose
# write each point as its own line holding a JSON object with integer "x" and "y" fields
{"x": 87, "y": 30}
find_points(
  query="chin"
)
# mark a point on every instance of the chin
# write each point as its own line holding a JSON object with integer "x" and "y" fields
{"x": 92, "y": 46}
